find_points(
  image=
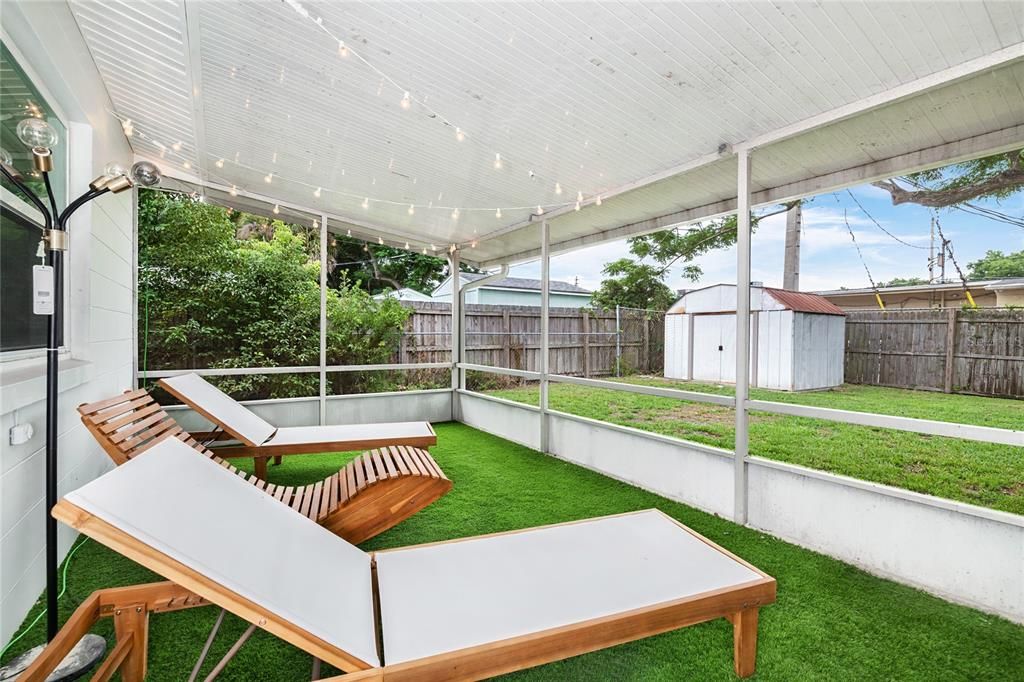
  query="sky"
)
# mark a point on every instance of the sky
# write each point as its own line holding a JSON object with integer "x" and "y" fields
{"x": 828, "y": 259}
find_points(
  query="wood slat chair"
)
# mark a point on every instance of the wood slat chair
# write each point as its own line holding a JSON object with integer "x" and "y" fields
{"x": 370, "y": 494}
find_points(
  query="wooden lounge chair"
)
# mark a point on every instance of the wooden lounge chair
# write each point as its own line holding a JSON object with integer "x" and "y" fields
{"x": 261, "y": 440}
{"x": 372, "y": 493}
{"x": 459, "y": 610}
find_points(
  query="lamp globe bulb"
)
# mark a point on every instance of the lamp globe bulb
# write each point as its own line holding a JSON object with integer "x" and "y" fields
{"x": 5, "y": 158}
{"x": 146, "y": 173}
{"x": 35, "y": 132}
{"x": 114, "y": 169}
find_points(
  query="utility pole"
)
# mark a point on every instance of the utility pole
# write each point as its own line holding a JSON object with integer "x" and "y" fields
{"x": 931, "y": 252}
{"x": 791, "y": 266}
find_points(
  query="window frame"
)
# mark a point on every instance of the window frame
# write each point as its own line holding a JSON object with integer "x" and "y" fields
{"x": 14, "y": 202}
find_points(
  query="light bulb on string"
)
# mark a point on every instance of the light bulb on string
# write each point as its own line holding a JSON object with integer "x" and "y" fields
{"x": 268, "y": 178}
{"x": 558, "y": 188}
{"x": 277, "y": 209}
{"x": 497, "y": 161}
{"x": 316, "y": 223}
{"x": 407, "y": 246}
{"x": 455, "y": 214}
{"x": 380, "y": 241}
{"x": 411, "y": 209}
{"x": 348, "y": 233}
{"x": 433, "y": 247}
{"x": 186, "y": 165}
{"x": 579, "y": 197}
{"x": 366, "y": 202}
{"x": 317, "y": 193}
{"x": 342, "y": 49}
{"x": 598, "y": 200}
{"x": 176, "y": 146}
{"x": 128, "y": 128}
{"x": 459, "y": 135}
{"x": 366, "y": 247}
{"x": 497, "y": 213}
{"x": 577, "y": 207}
{"x": 472, "y": 245}
{"x": 540, "y": 210}
{"x": 406, "y": 101}
{"x": 424, "y": 251}
{"x": 234, "y": 191}
{"x": 219, "y": 163}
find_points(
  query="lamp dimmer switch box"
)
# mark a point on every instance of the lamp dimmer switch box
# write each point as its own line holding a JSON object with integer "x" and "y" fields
{"x": 42, "y": 290}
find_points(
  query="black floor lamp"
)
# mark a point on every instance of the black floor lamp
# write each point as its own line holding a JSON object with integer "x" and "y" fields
{"x": 41, "y": 137}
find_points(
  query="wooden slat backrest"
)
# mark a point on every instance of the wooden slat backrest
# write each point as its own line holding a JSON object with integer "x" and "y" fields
{"x": 131, "y": 423}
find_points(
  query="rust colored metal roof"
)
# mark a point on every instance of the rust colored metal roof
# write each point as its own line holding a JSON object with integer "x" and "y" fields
{"x": 804, "y": 303}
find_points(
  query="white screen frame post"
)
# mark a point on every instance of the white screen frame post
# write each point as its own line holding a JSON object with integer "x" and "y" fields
{"x": 457, "y": 372}
{"x": 323, "y": 319}
{"x": 741, "y": 450}
{"x": 545, "y": 306}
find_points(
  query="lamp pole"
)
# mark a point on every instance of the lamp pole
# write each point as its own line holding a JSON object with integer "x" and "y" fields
{"x": 40, "y": 137}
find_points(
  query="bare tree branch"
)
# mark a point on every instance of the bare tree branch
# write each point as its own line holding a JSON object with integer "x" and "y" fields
{"x": 1010, "y": 178}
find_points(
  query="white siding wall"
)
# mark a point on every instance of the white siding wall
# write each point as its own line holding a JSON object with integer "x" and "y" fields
{"x": 775, "y": 349}
{"x": 99, "y": 308}
{"x": 819, "y": 346}
{"x": 677, "y": 350}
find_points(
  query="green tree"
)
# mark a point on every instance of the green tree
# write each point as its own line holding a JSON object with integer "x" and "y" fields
{"x": 219, "y": 289}
{"x": 903, "y": 282}
{"x": 997, "y": 264}
{"x": 632, "y": 284}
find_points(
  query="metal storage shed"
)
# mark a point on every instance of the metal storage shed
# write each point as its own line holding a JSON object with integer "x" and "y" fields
{"x": 797, "y": 339}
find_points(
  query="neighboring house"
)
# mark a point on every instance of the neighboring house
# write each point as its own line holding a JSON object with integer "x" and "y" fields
{"x": 403, "y": 294}
{"x": 516, "y": 291}
{"x": 989, "y": 293}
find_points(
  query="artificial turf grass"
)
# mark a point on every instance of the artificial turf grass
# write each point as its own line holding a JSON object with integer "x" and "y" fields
{"x": 985, "y": 474}
{"x": 831, "y": 622}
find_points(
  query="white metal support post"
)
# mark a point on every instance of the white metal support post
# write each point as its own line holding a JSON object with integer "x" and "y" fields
{"x": 323, "y": 320}
{"x": 742, "y": 334}
{"x": 545, "y": 291}
{"x": 453, "y": 268}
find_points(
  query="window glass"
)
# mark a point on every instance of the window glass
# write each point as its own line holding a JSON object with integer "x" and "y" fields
{"x": 20, "y": 230}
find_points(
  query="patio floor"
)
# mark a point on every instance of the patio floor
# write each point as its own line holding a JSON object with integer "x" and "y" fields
{"x": 832, "y": 621}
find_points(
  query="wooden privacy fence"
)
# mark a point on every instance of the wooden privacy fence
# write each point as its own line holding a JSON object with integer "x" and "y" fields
{"x": 583, "y": 342}
{"x": 979, "y": 351}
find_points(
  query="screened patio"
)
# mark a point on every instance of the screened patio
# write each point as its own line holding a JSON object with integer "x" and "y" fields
{"x": 495, "y": 135}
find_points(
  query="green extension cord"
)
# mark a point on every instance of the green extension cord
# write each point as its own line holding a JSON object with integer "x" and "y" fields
{"x": 63, "y": 589}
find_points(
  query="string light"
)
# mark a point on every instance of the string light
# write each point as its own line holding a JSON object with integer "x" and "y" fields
{"x": 579, "y": 197}
{"x": 472, "y": 245}
{"x": 406, "y": 101}
{"x": 558, "y": 188}
{"x": 176, "y": 146}
{"x": 316, "y": 223}
{"x": 234, "y": 191}
{"x": 459, "y": 135}
{"x": 577, "y": 207}
{"x": 317, "y": 193}
{"x": 411, "y": 209}
{"x": 366, "y": 202}
{"x": 424, "y": 251}
{"x": 497, "y": 161}
{"x": 455, "y": 214}
{"x": 219, "y": 163}
{"x": 497, "y": 213}
{"x": 598, "y": 200}
{"x": 433, "y": 248}
{"x": 186, "y": 164}
{"x": 540, "y": 210}
{"x": 277, "y": 209}
{"x": 342, "y": 50}
{"x": 348, "y": 233}
{"x": 407, "y": 246}
{"x": 128, "y": 128}
{"x": 380, "y": 241}
{"x": 268, "y": 178}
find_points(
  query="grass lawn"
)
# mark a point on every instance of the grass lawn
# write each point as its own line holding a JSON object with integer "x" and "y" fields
{"x": 985, "y": 474}
{"x": 831, "y": 622}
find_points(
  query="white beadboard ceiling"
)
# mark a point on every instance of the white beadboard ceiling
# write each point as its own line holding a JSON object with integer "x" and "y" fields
{"x": 627, "y": 101}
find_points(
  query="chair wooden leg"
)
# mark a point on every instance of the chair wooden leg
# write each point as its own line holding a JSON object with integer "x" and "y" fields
{"x": 133, "y": 621}
{"x": 744, "y": 641}
{"x": 278, "y": 459}
{"x": 260, "y": 465}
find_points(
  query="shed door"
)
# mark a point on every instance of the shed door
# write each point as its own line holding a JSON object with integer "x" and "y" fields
{"x": 708, "y": 348}
{"x": 714, "y": 348}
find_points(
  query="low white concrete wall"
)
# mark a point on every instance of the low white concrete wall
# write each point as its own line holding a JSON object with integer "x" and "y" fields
{"x": 960, "y": 552}
{"x": 694, "y": 474}
{"x": 963, "y": 553}
{"x": 510, "y": 420}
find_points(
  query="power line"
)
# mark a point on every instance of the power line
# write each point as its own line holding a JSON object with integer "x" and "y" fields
{"x": 879, "y": 226}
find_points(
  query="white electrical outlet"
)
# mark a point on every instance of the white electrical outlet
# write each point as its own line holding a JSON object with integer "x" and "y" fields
{"x": 21, "y": 433}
